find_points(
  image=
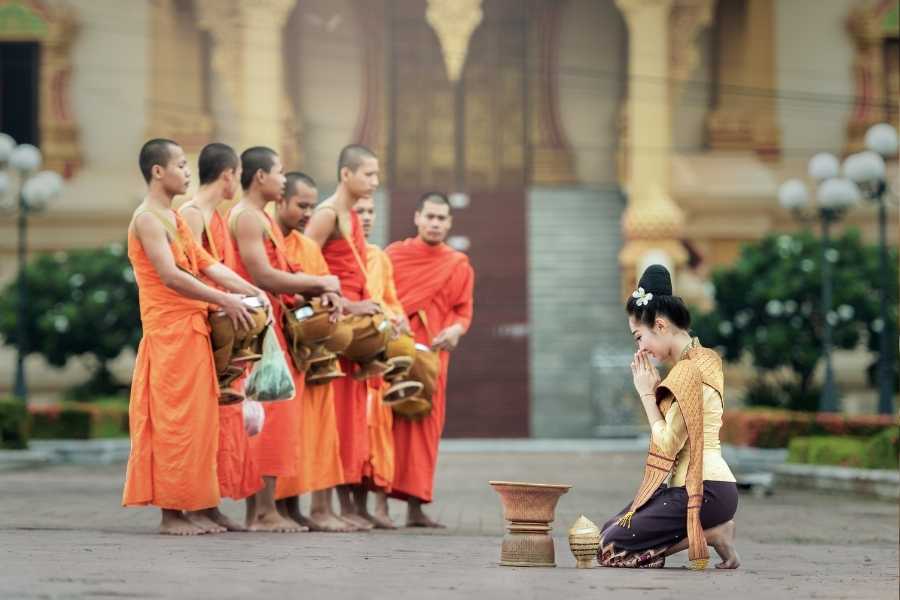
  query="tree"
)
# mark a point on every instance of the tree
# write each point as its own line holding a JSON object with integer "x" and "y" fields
{"x": 769, "y": 304}
{"x": 81, "y": 304}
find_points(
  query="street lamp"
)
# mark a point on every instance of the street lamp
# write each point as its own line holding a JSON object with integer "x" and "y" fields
{"x": 867, "y": 169}
{"x": 19, "y": 165}
{"x": 834, "y": 195}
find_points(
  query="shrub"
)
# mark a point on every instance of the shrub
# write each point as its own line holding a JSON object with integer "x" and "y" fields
{"x": 883, "y": 450}
{"x": 768, "y": 306}
{"x": 14, "y": 425}
{"x": 82, "y": 304}
{"x": 79, "y": 421}
{"x": 770, "y": 428}
{"x": 876, "y": 452}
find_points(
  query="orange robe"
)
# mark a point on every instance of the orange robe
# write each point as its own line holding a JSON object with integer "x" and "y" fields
{"x": 275, "y": 447}
{"x": 380, "y": 468}
{"x": 438, "y": 281}
{"x": 319, "y": 450}
{"x": 239, "y": 474}
{"x": 350, "y": 396}
{"x": 173, "y": 411}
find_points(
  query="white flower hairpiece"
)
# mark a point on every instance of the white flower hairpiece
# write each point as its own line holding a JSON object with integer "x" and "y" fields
{"x": 643, "y": 297}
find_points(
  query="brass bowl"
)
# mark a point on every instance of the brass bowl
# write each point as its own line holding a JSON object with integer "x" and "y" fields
{"x": 340, "y": 337}
{"x": 370, "y": 336}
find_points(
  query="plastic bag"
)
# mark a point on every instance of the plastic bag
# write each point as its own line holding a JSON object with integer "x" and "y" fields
{"x": 271, "y": 378}
{"x": 254, "y": 417}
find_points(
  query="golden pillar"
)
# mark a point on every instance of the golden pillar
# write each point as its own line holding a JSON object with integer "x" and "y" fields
{"x": 652, "y": 224}
{"x": 247, "y": 64}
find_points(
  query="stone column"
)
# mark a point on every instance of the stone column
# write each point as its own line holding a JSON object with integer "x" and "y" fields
{"x": 652, "y": 223}
{"x": 247, "y": 62}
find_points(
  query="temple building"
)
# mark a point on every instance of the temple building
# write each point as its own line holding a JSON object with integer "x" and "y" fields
{"x": 580, "y": 140}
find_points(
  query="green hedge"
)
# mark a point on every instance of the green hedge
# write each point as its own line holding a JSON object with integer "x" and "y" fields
{"x": 14, "y": 425}
{"x": 79, "y": 421}
{"x": 876, "y": 452}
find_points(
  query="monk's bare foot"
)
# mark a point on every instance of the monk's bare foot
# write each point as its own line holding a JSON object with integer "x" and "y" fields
{"x": 272, "y": 522}
{"x": 329, "y": 523}
{"x": 358, "y": 521}
{"x": 219, "y": 518}
{"x": 416, "y": 517}
{"x": 291, "y": 510}
{"x": 175, "y": 523}
{"x": 424, "y": 521}
{"x": 722, "y": 539}
{"x": 382, "y": 521}
{"x": 201, "y": 520}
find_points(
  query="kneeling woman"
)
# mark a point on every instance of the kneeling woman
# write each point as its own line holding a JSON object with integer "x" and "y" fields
{"x": 698, "y": 504}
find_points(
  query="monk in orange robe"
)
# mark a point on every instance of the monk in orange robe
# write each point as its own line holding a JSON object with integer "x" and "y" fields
{"x": 336, "y": 229}
{"x": 261, "y": 259}
{"x": 319, "y": 468}
{"x": 380, "y": 468}
{"x": 173, "y": 410}
{"x": 219, "y": 169}
{"x": 435, "y": 285}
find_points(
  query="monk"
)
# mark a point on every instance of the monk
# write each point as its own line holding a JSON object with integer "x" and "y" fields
{"x": 380, "y": 468}
{"x": 319, "y": 454}
{"x": 435, "y": 285}
{"x": 173, "y": 410}
{"x": 335, "y": 228}
{"x": 261, "y": 259}
{"x": 219, "y": 169}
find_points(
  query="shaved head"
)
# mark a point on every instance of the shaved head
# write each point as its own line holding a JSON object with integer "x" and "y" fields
{"x": 155, "y": 153}
{"x": 352, "y": 157}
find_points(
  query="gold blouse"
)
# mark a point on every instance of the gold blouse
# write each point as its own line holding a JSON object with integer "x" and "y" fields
{"x": 671, "y": 435}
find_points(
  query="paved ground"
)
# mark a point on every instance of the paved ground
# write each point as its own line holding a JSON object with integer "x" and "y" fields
{"x": 63, "y": 535}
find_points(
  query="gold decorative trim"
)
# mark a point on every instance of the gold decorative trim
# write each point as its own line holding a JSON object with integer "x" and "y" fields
{"x": 454, "y": 21}
{"x": 54, "y": 28}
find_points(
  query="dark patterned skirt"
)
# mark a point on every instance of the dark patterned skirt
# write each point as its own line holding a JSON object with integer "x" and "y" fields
{"x": 661, "y": 523}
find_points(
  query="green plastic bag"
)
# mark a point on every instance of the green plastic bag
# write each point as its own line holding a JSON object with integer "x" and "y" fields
{"x": 271, "y": 378}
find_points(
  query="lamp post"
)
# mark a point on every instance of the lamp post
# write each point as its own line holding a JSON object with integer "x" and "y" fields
{"x": 834, "y": 195}
{"x": 867, "y": 169}
{"x": 19, "y": 165}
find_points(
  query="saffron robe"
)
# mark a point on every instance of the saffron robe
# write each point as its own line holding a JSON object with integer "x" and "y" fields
{"x": 350, "y": 395}
{"x": 275, "y": 447}
{"x": 439, "y": 282}
{"x": 173, "y": 410}
{"x": 380, "y": 467}
{"x": 239, "y": 473}
{"x": 318, "y": 453}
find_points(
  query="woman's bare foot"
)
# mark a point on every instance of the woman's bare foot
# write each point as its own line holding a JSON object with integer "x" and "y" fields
{"x": 219, "y": 518}
{"x": 329, "y": 523}
{"x": 272, "y": 522}
{"x": 721, "y": 537}
{"x": 175, "y": 523}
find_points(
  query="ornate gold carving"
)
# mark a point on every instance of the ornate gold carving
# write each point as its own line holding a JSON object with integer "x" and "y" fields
{"x": 687, "y": 19}
{"x": 54, "y": 28}
{"x": 454, "y": 21}
{"x": 873, "y": 103}
{"x": 656, "y": 216}
{"x": 746, "y": 59}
